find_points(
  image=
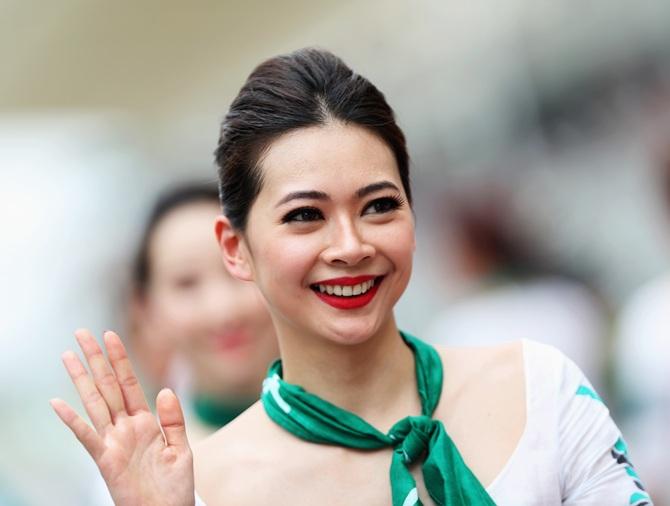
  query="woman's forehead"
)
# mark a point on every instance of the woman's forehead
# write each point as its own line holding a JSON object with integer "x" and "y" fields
{"x": 186, "y": 228}
{"x": 332, "y": 154}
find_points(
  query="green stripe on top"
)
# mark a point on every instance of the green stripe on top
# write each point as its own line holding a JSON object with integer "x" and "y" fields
{"x": 632, "y": 473}
{"x": 415, "y": 438}
{"x": 638, "y": 496}
{"x": 621, "y": 446}
{"x": 589, "y": 392}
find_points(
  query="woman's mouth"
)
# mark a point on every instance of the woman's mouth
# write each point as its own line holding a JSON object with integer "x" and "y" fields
{"x": 226, "y": 342}
{"x": 347, "y": 292}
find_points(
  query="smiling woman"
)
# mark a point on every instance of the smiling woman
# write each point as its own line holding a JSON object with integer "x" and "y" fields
{"x": 308, "y": 228}
{"x": 317, "y": 213}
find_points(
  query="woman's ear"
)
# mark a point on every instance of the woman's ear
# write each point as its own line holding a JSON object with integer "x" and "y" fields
{"x": 234, "y": 251}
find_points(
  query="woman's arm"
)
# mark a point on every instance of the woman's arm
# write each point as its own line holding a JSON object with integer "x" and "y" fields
{"x": 142, "y": 460}
{"x": 595, "y": 466}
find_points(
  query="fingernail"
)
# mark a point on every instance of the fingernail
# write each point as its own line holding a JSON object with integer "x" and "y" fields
{"x": 67, "y": 355}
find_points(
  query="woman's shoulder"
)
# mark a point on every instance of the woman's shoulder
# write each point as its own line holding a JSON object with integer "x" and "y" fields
{"x": 251, "y": 460}
{"x": 539, "y": 375}
{"x": 252, "y": 433}
{"x": 252, "y": 421}
{"x": 222, "y": 461}
{"x": 521, "y": 357}
{"x": 482, "y": 385}
{"x": 481, "y": 363}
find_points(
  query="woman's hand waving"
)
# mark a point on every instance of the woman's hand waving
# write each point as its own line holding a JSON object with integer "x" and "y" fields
{"x": 143, "y": 461}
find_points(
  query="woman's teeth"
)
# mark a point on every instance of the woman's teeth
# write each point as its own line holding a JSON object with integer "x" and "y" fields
{"x": 347, "y": 290}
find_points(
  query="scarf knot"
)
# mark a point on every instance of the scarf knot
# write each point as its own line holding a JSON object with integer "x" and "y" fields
{"x": 448, "y": 479}
{"x": 412, "y": 436}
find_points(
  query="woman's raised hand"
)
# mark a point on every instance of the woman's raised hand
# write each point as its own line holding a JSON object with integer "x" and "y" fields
{"x": 141, "y": 464}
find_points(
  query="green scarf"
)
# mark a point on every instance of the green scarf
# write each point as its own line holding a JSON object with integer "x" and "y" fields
{"x": 448, "y": 480}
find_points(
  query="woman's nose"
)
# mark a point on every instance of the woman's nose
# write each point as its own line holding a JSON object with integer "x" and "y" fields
{"x": 347, "y": 245}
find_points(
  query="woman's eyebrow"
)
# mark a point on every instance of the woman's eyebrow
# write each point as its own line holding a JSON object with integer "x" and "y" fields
{"x": 375, "y": 187}
{"x": 317, "y": 195}
{"x": 310, "y": 194}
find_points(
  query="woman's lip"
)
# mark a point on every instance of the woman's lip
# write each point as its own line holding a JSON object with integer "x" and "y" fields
{"x": 229, "y": 341}
{"x": 346, "y": 280}
{"x": 351, "y": 302}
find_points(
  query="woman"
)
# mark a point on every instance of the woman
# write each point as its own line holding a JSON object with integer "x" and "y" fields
{"x": 193, "y": 326}
{"x": 317, "y": 213}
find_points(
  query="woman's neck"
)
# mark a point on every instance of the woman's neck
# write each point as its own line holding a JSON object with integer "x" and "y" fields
{"x": 375, "y": 379}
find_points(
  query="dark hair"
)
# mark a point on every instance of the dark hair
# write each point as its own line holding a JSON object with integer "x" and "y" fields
{"x": 173, "y": 198}
{"x": 306, "y": 88}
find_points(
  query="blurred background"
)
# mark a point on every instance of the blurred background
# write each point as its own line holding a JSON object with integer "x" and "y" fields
{"x": 538, "y": 133}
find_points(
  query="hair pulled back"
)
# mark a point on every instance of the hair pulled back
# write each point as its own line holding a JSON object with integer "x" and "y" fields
{"x": 174, "y": 198}
{"x": 308, "y": 87}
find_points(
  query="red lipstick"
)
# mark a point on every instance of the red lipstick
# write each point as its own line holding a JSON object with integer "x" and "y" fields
{"x": 352, "y": 301}
{"x": 231, "y": 341}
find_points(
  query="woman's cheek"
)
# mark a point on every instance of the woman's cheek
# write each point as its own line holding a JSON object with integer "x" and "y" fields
{"x": 396, "y": 239}
{"x": 178, "y": 318}
{"x": 292, "y": 257}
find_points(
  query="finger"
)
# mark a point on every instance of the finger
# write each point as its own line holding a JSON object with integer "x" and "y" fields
{"x": 84, "y": 433}
{"x": 103, "y": 375}
{"x": 171, "y": 418}
{"x": 94, "y": 404}
{"x": 130, "y": 386}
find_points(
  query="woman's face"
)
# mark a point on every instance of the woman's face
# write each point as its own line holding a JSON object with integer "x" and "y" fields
{"x": 218, "y": 323}
{"x": 332, "y": 216}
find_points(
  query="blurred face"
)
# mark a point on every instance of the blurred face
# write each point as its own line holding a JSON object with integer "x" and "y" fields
{"x": 218, "y": 323}
{"x": 330, "y": 238}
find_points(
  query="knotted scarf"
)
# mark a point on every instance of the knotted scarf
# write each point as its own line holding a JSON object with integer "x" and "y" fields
{"x": 448, "y": 480}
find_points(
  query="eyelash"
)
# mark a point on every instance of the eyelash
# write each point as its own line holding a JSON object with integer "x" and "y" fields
{"x": 309, "y": 214}
{"x": 292, "y": 216}
{"x": 391, "y": 203}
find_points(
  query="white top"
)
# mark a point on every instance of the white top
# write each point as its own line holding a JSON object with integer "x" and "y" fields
{"x": 571, "y": 452}
{"x": 642, "y": 353}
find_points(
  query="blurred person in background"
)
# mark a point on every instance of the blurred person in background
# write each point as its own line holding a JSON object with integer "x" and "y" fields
{"x": 193, "y": 326}
{"x": 643, "y": 370}
{"x": 502, "y": 288}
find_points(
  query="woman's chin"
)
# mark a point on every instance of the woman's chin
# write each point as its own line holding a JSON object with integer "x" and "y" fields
{"x": 350, "y": 333}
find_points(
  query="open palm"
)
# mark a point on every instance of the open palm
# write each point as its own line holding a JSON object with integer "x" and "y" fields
{"x": 143, "y": 461}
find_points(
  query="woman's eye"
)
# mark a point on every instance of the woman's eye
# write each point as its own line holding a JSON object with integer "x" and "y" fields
{"x": 382, "y": 205}
{"x": 303, "y": 214}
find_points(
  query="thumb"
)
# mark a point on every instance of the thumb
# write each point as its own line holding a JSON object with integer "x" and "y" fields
{"x": 171, "y": 418}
